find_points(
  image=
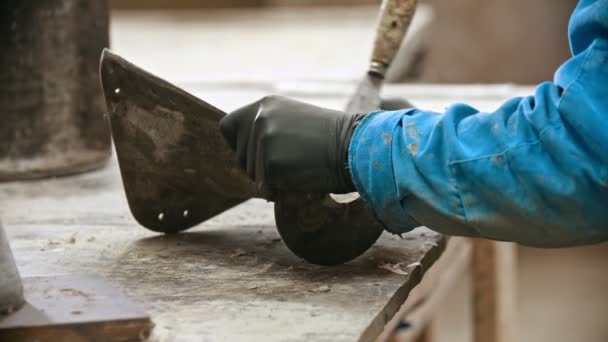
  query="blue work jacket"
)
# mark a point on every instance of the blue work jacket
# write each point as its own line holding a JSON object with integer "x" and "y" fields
{"x": 535, "y": 171}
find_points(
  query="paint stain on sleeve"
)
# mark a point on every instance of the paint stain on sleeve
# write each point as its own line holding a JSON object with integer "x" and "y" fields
{"x": 387, "y": 137}
{"x": 413, "y": 134}
{"x": 413, "y": 148}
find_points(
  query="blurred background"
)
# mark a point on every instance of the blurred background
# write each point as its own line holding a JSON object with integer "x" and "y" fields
{"x": 562, "y": 293}
{"x": 321, "y": 47}
{"x": 475, "y": 41}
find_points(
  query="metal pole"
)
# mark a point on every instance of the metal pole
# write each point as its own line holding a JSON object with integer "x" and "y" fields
{"x": 11, "y": 289}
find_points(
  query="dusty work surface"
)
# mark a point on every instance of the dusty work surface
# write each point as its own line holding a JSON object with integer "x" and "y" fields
{"x": 229, "y": 279}
{"x": 72, "y": 307}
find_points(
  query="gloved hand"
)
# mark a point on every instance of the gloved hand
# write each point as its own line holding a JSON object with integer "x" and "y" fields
{"x": 287, "y": 145}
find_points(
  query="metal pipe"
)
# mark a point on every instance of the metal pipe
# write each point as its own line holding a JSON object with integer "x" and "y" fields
{"x": 11, "y": 289}
{"x": 52, "y": 109}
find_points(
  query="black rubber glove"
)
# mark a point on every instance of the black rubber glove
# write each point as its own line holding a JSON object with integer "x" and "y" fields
{"x": 395, "y": 103}
{"x": 286, "y": 145}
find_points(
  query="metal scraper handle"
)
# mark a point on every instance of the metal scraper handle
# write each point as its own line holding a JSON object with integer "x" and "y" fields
{"x": 395, "y": 19}
{"x": 315, "y": 226}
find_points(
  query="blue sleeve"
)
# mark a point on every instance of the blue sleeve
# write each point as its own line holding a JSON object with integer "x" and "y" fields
{"x": 535, "y": 171}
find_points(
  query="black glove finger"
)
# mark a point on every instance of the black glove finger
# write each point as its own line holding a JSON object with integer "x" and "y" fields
{"x": 262, "y": 181}
{"x": 229, "y": 127}
{"x": 254, "y": 145}
{"x": 395, "y": 103}
{"x": 236, "y": 128}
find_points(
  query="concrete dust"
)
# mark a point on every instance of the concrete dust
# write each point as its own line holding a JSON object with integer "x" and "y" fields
{"x": 238, "y": 252}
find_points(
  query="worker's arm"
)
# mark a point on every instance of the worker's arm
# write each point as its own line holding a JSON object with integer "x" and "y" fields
{"x": 534, "y": 171}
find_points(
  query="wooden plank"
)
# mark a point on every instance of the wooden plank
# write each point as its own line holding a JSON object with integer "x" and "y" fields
{"x": 494, "y": 282}
{"x": 76, "y": 308}
{"x": 232, "y": 271}
{"x": 425, "y": 299}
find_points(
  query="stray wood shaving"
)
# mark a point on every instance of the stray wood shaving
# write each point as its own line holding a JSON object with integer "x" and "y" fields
{"x": 395, "y": 268}
{"x": 237, "y": 253}
{"x": 323, "y": 288}
{"x": 164, "y": 254}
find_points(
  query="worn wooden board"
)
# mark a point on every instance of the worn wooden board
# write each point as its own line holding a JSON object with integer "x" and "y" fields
{"x": 75, "y": 308}
{"x": 229, "y": 279}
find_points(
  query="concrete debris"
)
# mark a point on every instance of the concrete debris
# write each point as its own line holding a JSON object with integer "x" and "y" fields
{"x": 395, "y": 268}
{"x": 323, "y": 288}
{"x": 164, "y": 254}
{"x": 238, "y": 252}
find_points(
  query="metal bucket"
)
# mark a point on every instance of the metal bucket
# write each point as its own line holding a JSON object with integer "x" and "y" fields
{"x": 51, "y": 107}
{"x": 11, "y": 289}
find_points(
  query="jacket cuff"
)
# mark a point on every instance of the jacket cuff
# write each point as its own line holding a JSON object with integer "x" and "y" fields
{"x": 371, "y": 167}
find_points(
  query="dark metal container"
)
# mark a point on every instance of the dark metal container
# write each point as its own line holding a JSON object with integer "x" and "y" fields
{"x": 51, "y": 108}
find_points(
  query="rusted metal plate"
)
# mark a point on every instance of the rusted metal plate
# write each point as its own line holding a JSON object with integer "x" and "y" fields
{"x": 74, "y": 308}
{"x": 176, "y": 168}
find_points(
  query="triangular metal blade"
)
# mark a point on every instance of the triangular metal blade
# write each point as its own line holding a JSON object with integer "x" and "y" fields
{"x": 176, "y": 168}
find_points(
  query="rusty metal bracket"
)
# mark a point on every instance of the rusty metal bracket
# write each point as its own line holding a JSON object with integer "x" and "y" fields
{"x": 176, "y": 169}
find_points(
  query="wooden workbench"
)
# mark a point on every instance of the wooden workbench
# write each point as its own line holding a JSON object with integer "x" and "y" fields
{"x": 231, "y": 278}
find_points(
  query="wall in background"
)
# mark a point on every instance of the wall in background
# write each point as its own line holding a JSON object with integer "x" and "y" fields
{"x": 473, "y": 41}
{"x": 520, "y": 41}
{"x": 140, "y": 4}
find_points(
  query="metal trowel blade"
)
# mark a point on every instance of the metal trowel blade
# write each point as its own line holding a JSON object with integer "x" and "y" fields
{"x": 177, "y": 170}
{"x": 366, "y": 97}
